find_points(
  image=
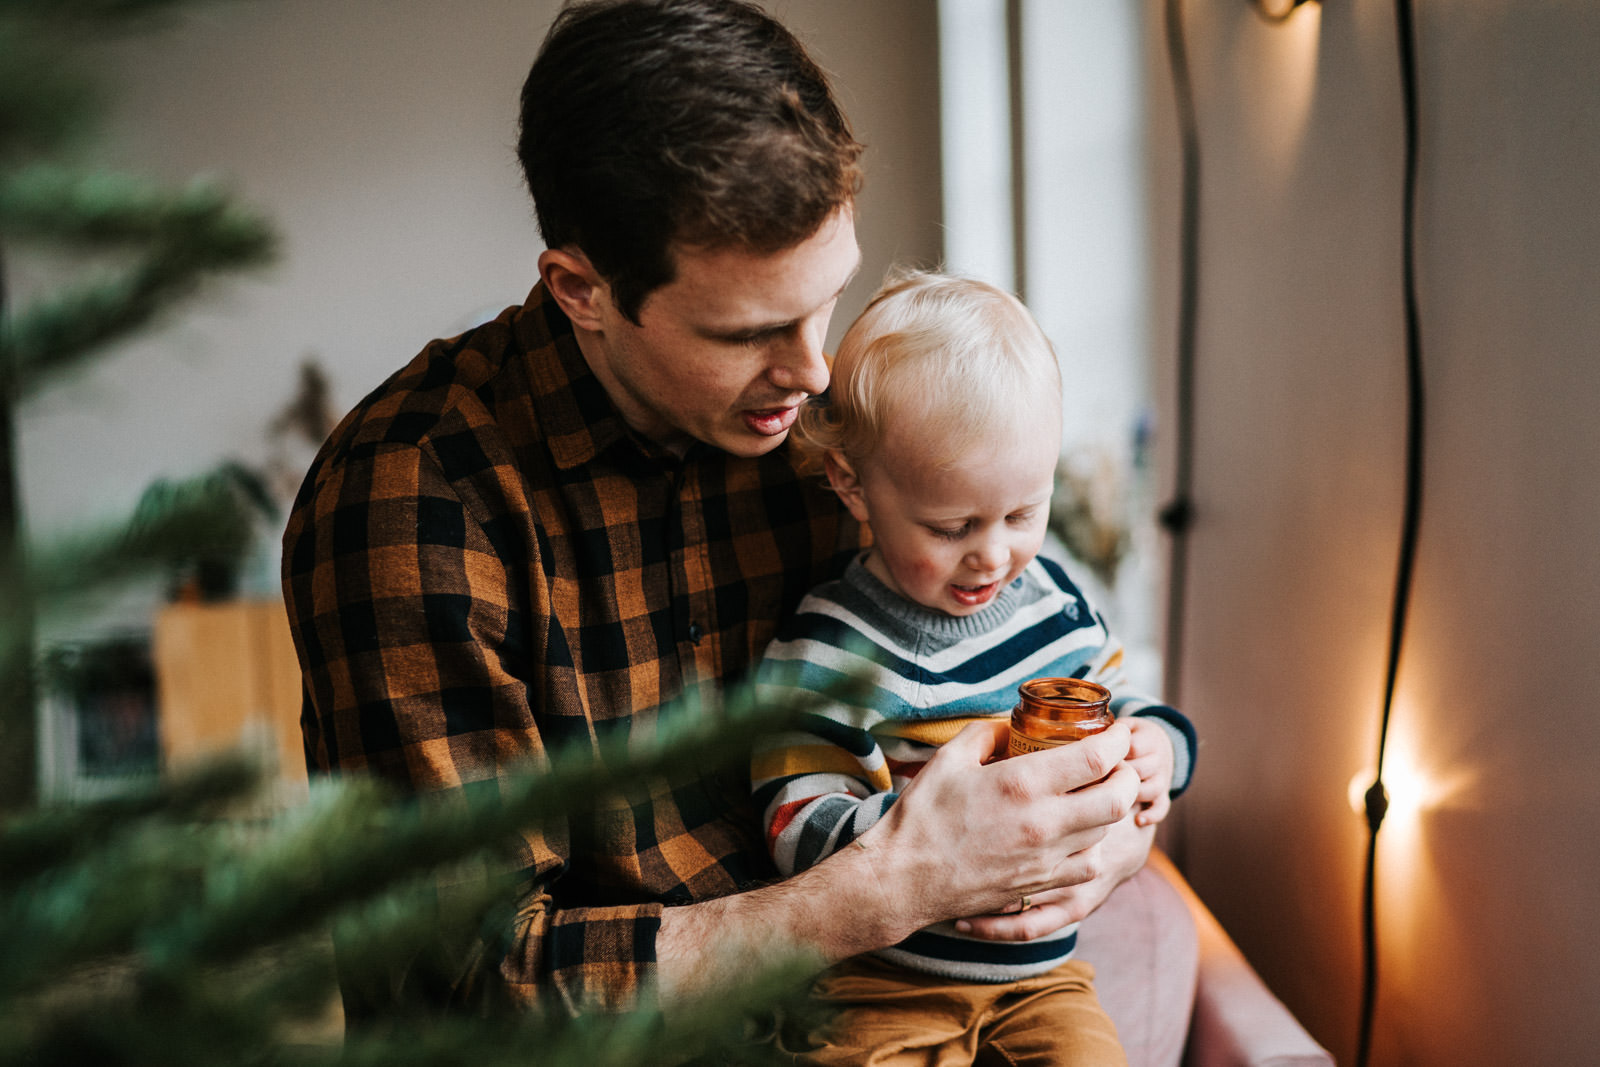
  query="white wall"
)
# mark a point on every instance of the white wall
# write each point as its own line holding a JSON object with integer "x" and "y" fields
{"x": 379, "y": 137}
{"x": 1490, "y": 934}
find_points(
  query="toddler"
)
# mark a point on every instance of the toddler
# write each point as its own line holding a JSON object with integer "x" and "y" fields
{"x": 941, "y": 431}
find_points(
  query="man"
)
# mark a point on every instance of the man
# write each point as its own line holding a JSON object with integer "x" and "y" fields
{"x": 546, "y": 528}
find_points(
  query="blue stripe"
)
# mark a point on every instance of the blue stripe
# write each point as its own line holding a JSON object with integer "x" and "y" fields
{"x": 857, "y": 742}
{"x": 989, "y": 953}
{"x": 819, "y": 823}
{"x": 1180, "y": 722}
{"x": 1025, "y": 644}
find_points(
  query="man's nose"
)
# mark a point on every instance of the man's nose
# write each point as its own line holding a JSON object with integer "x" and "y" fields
{"x": 798, "y": 363}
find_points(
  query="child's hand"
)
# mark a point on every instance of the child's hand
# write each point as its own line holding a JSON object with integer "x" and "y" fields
{"x": 1150, "y": 754}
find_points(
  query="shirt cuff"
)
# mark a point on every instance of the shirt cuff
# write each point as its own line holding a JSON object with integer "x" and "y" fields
{"x": 601, "y": 959}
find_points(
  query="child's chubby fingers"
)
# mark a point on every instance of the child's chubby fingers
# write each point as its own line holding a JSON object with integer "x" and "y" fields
{"x": 1147, "y": 766}
{"x": 1150, "y": 791}
{"x": 1151, "y": 812}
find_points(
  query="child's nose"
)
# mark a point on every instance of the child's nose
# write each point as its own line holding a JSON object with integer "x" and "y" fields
{"x": 990, "y": 555}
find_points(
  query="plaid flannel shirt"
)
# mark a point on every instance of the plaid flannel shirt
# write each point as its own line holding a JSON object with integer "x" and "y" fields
{"x": 483, "y": 563}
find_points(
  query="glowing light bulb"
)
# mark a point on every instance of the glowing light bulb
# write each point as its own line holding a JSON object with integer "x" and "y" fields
{"x": 1408, "y": 793}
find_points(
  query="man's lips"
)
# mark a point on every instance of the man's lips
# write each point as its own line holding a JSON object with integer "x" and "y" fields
{"x": 769, "y": 422}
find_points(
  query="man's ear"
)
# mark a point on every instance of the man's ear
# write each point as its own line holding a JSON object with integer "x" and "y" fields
{"x": 845, "y": 482}
{"x": 576, "y": 287}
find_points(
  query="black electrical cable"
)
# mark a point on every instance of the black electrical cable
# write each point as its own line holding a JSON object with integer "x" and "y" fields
{"x": 1377, "y": 798}
{"x": 1178, "y": 514}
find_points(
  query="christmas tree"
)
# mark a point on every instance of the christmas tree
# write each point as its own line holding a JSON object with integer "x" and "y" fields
{"x": 164, "y": 242}
{"x": 175, "y": 923}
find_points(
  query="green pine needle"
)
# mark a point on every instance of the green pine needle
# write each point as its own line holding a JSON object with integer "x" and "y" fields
{"x": 186, "y": 236}
{"x": 44, "y": 103}
{"x": 168, "y": 934}
{"x": 49, "y": 837}
{"x": 213, "y": 516}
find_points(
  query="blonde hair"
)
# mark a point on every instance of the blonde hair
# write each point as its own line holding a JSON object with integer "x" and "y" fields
{"x": 954, "y": 354}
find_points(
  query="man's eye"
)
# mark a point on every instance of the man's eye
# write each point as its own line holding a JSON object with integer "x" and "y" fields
{"x": 756, "y": 338}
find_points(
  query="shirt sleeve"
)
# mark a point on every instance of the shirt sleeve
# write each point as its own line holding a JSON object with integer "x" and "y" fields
{"x": 420, "y": 667}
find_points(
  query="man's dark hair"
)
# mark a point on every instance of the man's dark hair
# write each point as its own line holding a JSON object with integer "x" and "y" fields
{"x": 701, "y": 123}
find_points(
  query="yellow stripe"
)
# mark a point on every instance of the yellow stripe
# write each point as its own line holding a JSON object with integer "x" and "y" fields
{"x": 813, "y": 759}
{"x": 930, "y": 731}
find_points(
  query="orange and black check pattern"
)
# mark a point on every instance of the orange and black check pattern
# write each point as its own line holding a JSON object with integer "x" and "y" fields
{"x": 485, "y": 563}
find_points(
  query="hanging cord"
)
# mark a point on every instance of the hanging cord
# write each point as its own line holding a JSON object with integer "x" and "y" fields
{"x": 1178, "y": 514}
{"x": 1377, "y": 797}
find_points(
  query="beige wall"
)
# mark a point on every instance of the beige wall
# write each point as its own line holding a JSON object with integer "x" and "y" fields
{"x": 1489, "y": 919}
{"x": 379, "y": 137}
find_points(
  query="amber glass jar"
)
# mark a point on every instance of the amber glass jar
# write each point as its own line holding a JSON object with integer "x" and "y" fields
{"x": 1057, "y": 711}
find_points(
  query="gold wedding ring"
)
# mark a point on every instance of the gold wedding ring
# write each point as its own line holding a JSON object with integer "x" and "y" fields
{"x": 1027, "y": 902}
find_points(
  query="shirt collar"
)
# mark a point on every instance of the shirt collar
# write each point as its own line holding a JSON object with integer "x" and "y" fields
{"x": 578, "y": 418}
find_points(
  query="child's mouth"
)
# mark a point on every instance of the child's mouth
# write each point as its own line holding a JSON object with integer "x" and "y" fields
{"x": 973, "y": 595}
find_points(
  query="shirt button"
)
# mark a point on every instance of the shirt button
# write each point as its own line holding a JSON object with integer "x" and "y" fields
{"x": 695, "y": 633}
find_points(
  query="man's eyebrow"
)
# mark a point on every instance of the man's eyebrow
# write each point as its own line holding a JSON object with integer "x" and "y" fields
{"x": 750, "y": 333}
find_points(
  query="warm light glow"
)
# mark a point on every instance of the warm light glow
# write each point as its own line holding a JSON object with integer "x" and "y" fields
{"x": 1409, "y": 792}
{"x": 1415, "y": 786}
{"x": 1279, "y": 9}
{"x": 1283, "y": 82}
{"x": 1356, "y": 792}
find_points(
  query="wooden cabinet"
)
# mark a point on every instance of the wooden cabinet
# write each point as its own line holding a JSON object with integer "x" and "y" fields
{"x": 226, "y": 676}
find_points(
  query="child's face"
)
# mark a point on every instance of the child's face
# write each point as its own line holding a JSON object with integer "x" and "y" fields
{"x": 951, "y": 539}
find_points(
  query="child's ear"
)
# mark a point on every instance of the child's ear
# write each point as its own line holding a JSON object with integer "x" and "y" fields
{"x": 575, "y": 286}
{"x": 842, "y": 476}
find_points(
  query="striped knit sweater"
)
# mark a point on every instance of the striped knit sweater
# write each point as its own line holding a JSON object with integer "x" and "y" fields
{"x": 930, "y": 674}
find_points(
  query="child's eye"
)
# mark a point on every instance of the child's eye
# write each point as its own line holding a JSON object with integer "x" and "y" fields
{"x": 950, "y": 533}
{"x": 1020, "y": 518}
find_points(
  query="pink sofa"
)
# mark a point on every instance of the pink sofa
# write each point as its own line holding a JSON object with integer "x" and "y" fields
{"x": 1178, "y": 988}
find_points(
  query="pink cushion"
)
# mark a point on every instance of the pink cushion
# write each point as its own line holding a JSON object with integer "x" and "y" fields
{"x": 1142, "y": 942}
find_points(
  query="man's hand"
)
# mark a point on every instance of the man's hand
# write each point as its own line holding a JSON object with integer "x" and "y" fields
{"x": 970, "y": 835}
{"x": 1150, "y": 753}
{"x": 1121, "y": 855}
{"x": 974, "y": 833}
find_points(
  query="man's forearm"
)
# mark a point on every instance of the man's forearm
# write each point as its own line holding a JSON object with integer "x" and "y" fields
{"x": 832, "y": 911}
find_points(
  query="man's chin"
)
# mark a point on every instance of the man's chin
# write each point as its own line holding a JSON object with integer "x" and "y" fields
{"x": 749, "y": 445}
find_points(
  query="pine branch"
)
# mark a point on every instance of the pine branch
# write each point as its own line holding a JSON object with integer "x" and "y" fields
{"x": 188, "y": 235}
{"x": 44, "y": 102}
{"x": 164, "y": 927}
{"x": 100, "y": 208}
{"x": 313, "y": 872}
{"x": 51, "y": 837}
{"x": 712, "y": 1024}
{"x": 211, "y": 517}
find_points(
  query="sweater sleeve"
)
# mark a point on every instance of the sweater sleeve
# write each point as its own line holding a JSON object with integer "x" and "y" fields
{"x": 1107, "y": 669}
{"x": 818, "y": 788}
{"x": 826, "y": 782}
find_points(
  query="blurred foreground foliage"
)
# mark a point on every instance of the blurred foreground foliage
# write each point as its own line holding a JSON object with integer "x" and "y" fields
{"x": 185, "y": 922}
{"x": 151, "y": 246}
{"x": 161, "y": 928}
